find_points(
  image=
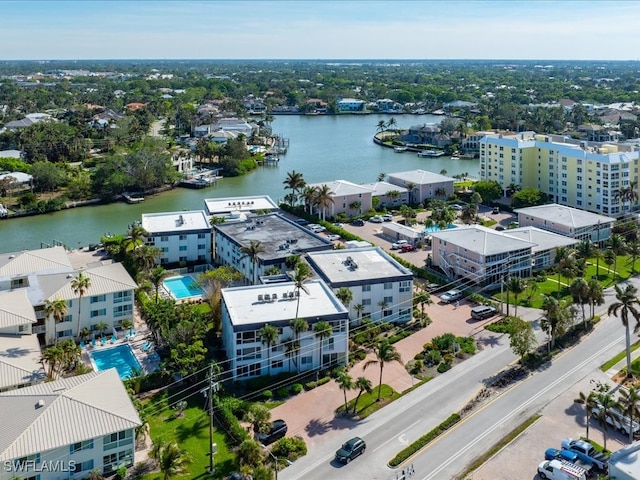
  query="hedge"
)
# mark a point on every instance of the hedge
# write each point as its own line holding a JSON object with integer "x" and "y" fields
{"x": 424, "y": 440}
{"x": 225, "y": 416}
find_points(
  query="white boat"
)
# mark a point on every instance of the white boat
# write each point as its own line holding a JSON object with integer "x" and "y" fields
{"x": 3, "y": 211}
{"x": 400, "y": 149}
{"x": 455, "y": 156}
{"x": 431, "y": 153}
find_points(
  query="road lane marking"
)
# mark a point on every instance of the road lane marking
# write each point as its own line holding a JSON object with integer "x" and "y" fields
{"x": 399, "y": 438}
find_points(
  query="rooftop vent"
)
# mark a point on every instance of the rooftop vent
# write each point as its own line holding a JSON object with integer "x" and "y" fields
{"x": 260, "y": 297}
{"x": 40, "y": 404}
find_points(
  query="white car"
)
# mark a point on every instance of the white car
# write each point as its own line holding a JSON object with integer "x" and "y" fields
{"x": 456, "y": 207}
{"x": 399, "y": 244}
{"x": 315, "y": 228}
{"x": 333, "y": 237}
{"x": 387, "y": 217}
{"x": 376, "y": 219}
{"x": 451, "y": 296}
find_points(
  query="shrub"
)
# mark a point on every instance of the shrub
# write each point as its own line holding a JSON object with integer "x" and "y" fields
{"x": 419, "y": 356}
{"x": 432, "y": 357}
{"x": 417, "y": 367}
{"x": 290, "y": 448}
{"x": 282, "y": 392}
{"x": 230, "y": 423}
{"x": 448, "y": 358}
{"x": 444, "y": 342}
{"x": 267, "y": 394}
{"x": 324, "y": 380}
{"x": 295, "y": 389}
{"x": 467, "y": 345}
{"x": 424, "y": 440}
{"x": 443, "y": 367}
{"x": 310, "y": 385}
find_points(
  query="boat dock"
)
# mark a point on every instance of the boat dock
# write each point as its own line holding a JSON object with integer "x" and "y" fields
{"x": 200, "y": 178}
{"x": 133, "y": 197}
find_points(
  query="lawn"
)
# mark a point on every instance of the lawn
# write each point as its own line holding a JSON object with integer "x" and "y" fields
{"x": 191, "y": 432}
{"x": 368, "y": 403}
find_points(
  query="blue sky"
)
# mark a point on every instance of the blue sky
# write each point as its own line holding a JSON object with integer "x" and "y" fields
{"x": 326, "y": 29}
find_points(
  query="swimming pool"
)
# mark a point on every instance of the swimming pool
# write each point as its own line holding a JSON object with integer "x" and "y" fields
{"x": 182, "y": 287}
{"x": 436, "y": 228}
{"x": 121, "y": 358}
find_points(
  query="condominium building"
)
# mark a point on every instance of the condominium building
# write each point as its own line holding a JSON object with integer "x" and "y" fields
{"x": 381, "y": 288}
{"x": 423, "y": 185}
{"x": 239, "y": 208}
{"x": 245, "y": 310}
{"x": 388, "y": 194}
{"x": 67, "y": 428}
{"x": 575, "y": 173}
{"x": 182, "y": 237}
{"x": 346, "y": 197}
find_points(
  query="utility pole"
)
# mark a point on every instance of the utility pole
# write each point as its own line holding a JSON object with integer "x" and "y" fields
{"x": 211, "y": 444}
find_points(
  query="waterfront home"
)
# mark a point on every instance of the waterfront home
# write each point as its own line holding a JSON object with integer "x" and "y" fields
{"x": 237, "y": 208}
{"x": 245, "y": 310}
{"x": 182, "y": 237}
{"x": 350, "y": 105}
{"x": 567, "y": 221}
{"x": 378, "y": 283}
{"x": 279, "y": 238}
{"x": 424, "y": 184}
{"x": 347, "y": 197}
{"x": 388, "y": 194}
{"x": 67, "y": 428}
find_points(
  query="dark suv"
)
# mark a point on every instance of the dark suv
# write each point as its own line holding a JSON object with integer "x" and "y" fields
{"x": 277, "y": 431}
{"x": 351, "y": 449}
{"x": 482, "y": 312}
{"x": 358, "y": 223}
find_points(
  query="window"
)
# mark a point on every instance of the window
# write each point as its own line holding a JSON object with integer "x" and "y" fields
{"x": 98, "y": 298}
{"x": 83, "y": 466}
{"x": 405, "y": 286}
{"x": 250, "y": 353}
{"x": 388, "y": 300}
{"x": 182, "y": 259}
{"x": 113, "y": 461}
{"x": 183, "y": 248}
{"x": 122, "y": 310}
{"x": 202, "y": 246}
{"x": 201, "y": 235}
{"x": 366, "y": 288}
{"x": 98, "y": 313}
{"x": 308, "y": 360}
{"x": 119, "y": 439}
{"x": 246, "y": 337}
{"x": 64, "y": 333}
{"x": 76, "y": 447}
{"x": 67, "y": 318}
{"x": 183, "y": 237}
{"x": 277, "y": 364}
{"x": 388, "y": 285}
{"x": 366, "y": 301}
{"x": 23, "y": 328}
{"x": 19, "y": 283}
{"x": 164, "y": 238}
{"x": 119, "y": 297}
{"x": 328, "y": 343}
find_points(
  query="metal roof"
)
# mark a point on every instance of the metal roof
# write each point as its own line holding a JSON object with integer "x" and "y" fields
{"x": 104, "y": 279}
{"x": 421, "y": 177}
{"x": 15, "y": 309}
{"x": 481, "y": 240}
{"x": 563, "y": 215}
{"x": 56, "y": 414}
{"x": 32, "y": 261}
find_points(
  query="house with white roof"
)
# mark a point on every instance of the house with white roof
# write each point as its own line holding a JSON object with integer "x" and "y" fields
{"x": 11, "y": 154}
{"x": 382, "y": 286}
{"x": 237, "y": 208}
{"x": 350, "y": 105}
{"x": 388, "y": 194}
{"x": 348, "y": 198}
{"x": 278, "y": 236}
{"x": 67, "y": 428}
{"x": 423, "y": 185}
{"x": 182, "y": 237}
{"x": 543, "y": 251}
{"x": 567, "y": 221}
{"x": 245, "y": 310}
{"x": 624, "y": 463}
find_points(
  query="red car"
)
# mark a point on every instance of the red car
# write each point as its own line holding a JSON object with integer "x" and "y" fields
{"x": 408, "y": 248}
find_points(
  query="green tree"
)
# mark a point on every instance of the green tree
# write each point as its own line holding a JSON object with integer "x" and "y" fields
{"x": 528, "y": 197}
{"x": 384, "y": 353}
{"x": 259, "y": 417}
{"x": 517, "y": 286}
{"x": 629, "y": 402}
{"x": 301, "y": 273}
{"x": 135, "y": 238}
{"x": 345, "y": 382}
{"x": 295, "y": 182}
{"x": 556, "y": 319}
{"x": 187, "y": 358}
{"x": 253, "y": 251}
{"x": 595, "y": 295}
{"x": 322, "y": 330}
{"x": 604, "y": 414}
{"x": 80, "y": 285}
{"x": 627, "y": 306}
{"x": 633, "y": 249}
{"x": 268, "y": 336}
{"x": 102, "y": 327}
{"x": 489, "y": 190}
{"x": 156, "y": 276}
{"x": 363, "y": 384}
{"x": 299, "y": 326}
{"x": 345, "y": 295}
{"x": 580, "y": 292}
{"x": 52, "y": 357}
{"x": 522, "y": 338}
{"x": 249, "y": 454}
{"x": 56, "y": 309}
{"x": 589, "y": 402}
{"x": 171, "y": 459}
{"x": 324, "y": 198}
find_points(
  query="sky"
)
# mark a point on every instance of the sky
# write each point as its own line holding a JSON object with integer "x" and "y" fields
{"x": 319, "y": 29}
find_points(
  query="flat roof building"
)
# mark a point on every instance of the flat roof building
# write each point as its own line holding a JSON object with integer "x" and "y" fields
{"x": 236, "y": 208}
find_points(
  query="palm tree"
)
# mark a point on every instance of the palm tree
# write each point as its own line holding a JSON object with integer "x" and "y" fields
{"x": 345, "y": 295}
{"x": 299, "y": 277}
{"x": 84, "y": 333}
{"x": 617, "y": 244}
{"x": 392, "y": 123}
{"x": 363, "y": 384}
{"x": 584, "y": 249}
{"x": 565, "y": 265}
{"x": 253, "y": 251}
{"x": 324, "y": 198}
{"x": 633, "y": 249}
{"x": 610, "y": 259}
{"x": 292, "y": 347}
{"x": 345, "y": 382}
{"x": 295, "y": 182}
{"x": 627, "y": 305}
{"x": 53, "y": 357}
{"x": 359, "y": 308}
{"x": 135, "y": 238}
{"x": 381, "y": 125}
{"x": 322, "y": 330}
{"x": 101, "y": 327}
{"x": 580, "y": 292}
{"x": 589, "y": 402}
{"x": 145, "y": 256}
{"x": 516, "y": 285}
{"x": 171, "y": 459}
{"x": 411, "y": 187}
{"x": 80, "y": 285}
{"x": 268, "y": 335}
{"x": 309, "y": 196}
{"x": 126, "y": 324}
{"x": 383, "y": 306}
{"x": 259, "y": 417}
{"x": 595, "y": 295}
{"x": 555, "y": 319}
{"x": 603, "y": 414}
{"x": 629, "y": 402}
{"x": 56, "y": 309}
{"x": 355, "y": 206}
{"x": 298, "y": 325}
{"x": 385, "y": 353}
{"x": 156, "y": 276}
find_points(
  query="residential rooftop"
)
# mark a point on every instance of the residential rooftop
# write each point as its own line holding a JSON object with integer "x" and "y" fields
{"x": 174, "y": 222}
{"x": 20, "y": 361}
{"x": 563, "y": 215}
{"x": 365, "y": 264}
{"x": 382, "y": 188}
{"x": 543, "y": 239}
{"x": 343, "y": 187}
{"x": 481, "y": 240}
{"x": 226, "y": 205}
{"x": 279, "y": 236}
{"x": 421, "y": 177}
{"x": 30, "y": 261}
{"x": 273, "y": 303}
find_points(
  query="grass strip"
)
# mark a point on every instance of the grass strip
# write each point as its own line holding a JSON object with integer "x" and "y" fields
{"x": 500, "y": 445}
{"x": 607, "y": 365}
{"x": 427, "y": 438}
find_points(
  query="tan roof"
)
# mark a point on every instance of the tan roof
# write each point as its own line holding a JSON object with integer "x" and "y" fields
{"x": 32, "y": 261}
{"x": 104, "y": 279}
{"x": 73, "y": 410}
{"x": 15, "y": 309}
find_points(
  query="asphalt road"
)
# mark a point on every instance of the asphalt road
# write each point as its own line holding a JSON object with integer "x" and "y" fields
{"x": 390, "y": 429}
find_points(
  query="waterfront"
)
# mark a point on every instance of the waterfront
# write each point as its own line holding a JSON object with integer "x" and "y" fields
{"x": 323, "y": 148}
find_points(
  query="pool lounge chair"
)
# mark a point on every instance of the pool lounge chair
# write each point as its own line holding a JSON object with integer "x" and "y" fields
{"x": 154, "y": 357}
{"x": 82, "y": 345}
{"x": 103, "y": 341}
{"x": 113, "y": 338}
{"x": 130, "y": 335}
{"x": 146, "y": 346}
{"x": 93, "y": 342}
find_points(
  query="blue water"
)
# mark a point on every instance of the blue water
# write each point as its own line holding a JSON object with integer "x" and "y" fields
{"x": 121, "y": 358}
{"x": 436, "y": 228}
{"x": 182, "y": 287}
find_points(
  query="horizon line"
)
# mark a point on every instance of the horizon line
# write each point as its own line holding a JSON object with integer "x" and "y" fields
{"x": 319, "y": 59}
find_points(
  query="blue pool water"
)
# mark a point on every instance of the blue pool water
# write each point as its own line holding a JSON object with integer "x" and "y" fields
{"x": 436, "y": 228}
{"x": 182, "y": 287}
{"x": 121, "y": 358}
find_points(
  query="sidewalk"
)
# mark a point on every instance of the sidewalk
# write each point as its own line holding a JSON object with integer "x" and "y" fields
{"x": 311, "y": 413}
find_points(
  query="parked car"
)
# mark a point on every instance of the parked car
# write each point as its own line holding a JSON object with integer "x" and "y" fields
{"x": 387, "y": 217}
{"x": 451, "y": 296}
{"x": 277, "y": 431}
{"x": 376, "y": 219}
{"x": 358, "y": 223}
{"x": 482, "y": 312}
{"x": 557, "y": 454}
{"x": 495, "y": 210}
{"x": 408, "y": 248}
{"x": 315, "y": 228}
{"x": 333, "y": 237}
{"x": 398, "y": 245}
{"x": 500, "y": 228}
{"x": 301, "y": 221}
{"x": 351, "y": 449}
{"x": 456, "y": 207}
